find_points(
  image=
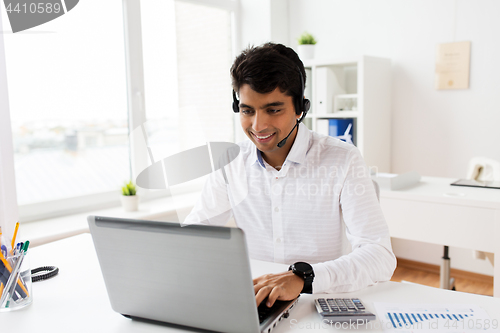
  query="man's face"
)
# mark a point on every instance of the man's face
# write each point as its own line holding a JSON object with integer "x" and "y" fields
{"x": 267, "y": 118}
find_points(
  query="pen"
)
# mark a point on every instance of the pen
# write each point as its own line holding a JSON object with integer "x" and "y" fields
{"x": 11, "y": 285}
{"x": 4, "y": 278}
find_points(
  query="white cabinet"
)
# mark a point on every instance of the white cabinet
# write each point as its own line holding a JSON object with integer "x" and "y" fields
{"x": 357, "y": 89}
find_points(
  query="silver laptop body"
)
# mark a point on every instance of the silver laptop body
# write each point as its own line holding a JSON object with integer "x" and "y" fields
{"x": 195, "y": 275}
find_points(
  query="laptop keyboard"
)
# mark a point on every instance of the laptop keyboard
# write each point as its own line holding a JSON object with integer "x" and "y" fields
{"x": 265, "y": 312}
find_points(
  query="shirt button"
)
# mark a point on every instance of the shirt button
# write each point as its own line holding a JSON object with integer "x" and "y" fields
{"x": 278, "y": 240}
{"x": 276, "y": 209}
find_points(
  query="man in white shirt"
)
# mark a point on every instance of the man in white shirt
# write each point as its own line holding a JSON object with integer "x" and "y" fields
{"x": 291, "y": 189}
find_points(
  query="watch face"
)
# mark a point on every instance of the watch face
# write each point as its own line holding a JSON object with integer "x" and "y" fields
{"x": 303, "y": 267}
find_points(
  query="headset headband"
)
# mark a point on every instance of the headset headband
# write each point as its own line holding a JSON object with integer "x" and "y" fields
{"x": 301, "y": 106}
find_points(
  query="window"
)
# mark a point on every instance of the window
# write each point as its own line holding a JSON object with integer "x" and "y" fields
{"x": 68, "y": 104}
{"x": 186, "y": 75}
{"x": 71, "y": 91}
{"x": 187, "y": 87}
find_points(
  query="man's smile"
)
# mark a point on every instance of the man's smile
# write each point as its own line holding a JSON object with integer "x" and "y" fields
{"x": 263, "y": 138}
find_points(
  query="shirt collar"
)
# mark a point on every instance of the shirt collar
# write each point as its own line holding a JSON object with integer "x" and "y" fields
{"x": 256, "y": 156}
{"x": 259, "y": 158}
{"x": 300, "y": 146}
{"x": 298, "y": 151}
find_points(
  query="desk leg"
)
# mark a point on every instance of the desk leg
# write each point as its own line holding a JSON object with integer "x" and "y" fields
{"x": 496, "y": 268}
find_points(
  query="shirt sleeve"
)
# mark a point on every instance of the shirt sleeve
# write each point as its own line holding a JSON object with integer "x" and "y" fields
{"x": 213, "y": 207}
{"x": 371, "y": 259}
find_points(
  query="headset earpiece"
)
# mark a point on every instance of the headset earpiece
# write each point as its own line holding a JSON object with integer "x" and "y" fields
{"x": 307, "y": 105}
{"x": 236, "y": 103}
{"x": 304, "y": 104}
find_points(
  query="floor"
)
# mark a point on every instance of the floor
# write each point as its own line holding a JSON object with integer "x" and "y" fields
{"x": 432, "y": 279}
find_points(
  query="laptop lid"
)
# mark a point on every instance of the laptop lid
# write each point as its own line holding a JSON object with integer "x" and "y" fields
{"x": 193, "y": 275}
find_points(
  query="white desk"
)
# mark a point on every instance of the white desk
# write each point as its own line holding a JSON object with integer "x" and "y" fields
{"x": 435, "y": 212}
{"x": 76, "y": 299}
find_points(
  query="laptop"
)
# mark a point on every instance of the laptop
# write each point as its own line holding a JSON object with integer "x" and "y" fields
{"x": 197, "y": 276}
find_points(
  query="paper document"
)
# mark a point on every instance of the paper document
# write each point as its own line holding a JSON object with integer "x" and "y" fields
{"x": 449, "y": 318}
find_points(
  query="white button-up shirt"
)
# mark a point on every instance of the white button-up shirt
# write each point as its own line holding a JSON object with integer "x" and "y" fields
{"x": 322, "y": 196}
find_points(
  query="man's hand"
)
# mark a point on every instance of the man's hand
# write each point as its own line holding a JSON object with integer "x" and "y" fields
{"x": 283, "y": 286}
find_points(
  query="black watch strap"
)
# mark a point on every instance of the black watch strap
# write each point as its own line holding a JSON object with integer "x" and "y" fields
{"x": 308, "y": 285}
{"x": 305, "y": 271}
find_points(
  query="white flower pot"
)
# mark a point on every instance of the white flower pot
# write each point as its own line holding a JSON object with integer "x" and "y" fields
{"x": 130, "y": 203}
{"x": 306, "y": 51}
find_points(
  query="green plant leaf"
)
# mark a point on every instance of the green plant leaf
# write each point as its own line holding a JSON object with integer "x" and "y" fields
{"x": 125, "y": 190}
{"x": 129, "y": 189}
{"x": 306, "y": 38}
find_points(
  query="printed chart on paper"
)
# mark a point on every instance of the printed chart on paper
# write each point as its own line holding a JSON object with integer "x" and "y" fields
{"x": 449, "y": 318}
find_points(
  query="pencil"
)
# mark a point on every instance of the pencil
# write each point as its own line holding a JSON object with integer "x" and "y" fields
{"x": 15, "y": 235}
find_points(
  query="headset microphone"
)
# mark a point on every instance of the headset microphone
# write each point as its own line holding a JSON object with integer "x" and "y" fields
{"x": 282, "y": 142}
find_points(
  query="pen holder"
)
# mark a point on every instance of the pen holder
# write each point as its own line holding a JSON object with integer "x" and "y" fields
{"x": 15, "y": 282}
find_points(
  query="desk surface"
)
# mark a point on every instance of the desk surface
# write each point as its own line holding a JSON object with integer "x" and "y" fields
{"x": 76, "y": 299}
{"x": 439, "y": 190}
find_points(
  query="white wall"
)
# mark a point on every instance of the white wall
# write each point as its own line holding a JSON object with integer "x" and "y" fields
{"x": 263, "y": 21}
{"x": 433, "y": 132}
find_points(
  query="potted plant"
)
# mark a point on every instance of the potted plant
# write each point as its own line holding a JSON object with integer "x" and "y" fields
{"x": 129, "y": 198}
{"x": 306, "y": 46}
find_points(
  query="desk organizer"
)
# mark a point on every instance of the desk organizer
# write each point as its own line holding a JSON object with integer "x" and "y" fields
{"x": 15, "y": 282}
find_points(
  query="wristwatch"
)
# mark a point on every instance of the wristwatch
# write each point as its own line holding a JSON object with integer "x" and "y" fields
{"x": 305, "y": 271}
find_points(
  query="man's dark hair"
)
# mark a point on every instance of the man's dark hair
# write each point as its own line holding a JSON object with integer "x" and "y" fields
{"x": 266, "y": 67}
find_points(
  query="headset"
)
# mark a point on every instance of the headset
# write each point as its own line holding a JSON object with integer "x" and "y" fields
{"x": 301, "y": 107}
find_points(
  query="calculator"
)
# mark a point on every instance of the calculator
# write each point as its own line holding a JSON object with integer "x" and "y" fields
{"x": 343, "y": 309}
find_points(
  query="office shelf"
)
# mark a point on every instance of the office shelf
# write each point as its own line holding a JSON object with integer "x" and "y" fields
{"x": 366, "y": 81}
